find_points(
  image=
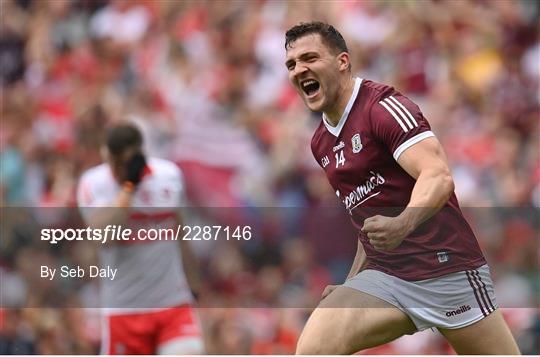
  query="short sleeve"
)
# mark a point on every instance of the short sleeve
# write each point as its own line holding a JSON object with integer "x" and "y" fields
{"x": 87, "y": 197}
{"x": 398, "y": 123}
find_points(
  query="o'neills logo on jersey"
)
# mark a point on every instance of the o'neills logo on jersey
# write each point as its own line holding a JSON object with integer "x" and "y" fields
{"x": 364, "y": 191}
{"x": 341, "y": 145}
{"x": 461, "y": 310}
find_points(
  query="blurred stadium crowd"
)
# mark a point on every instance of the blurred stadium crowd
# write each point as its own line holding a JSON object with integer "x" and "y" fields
{"x": 206, "y": 82}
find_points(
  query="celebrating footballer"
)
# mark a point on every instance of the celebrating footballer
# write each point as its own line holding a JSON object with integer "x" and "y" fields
{"x": 418, "y": 263}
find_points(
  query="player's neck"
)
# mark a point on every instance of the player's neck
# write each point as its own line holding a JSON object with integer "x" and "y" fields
{"x": 344, "y": 94}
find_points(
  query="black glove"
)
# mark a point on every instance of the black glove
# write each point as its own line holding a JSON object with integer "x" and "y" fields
{"x": 135, "y": 167}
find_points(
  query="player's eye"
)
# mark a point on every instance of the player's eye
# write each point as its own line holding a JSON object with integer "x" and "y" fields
{"x": 290, "y": 66}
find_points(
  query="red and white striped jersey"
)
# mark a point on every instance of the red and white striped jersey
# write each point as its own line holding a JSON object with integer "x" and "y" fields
{"x": 150, "y": 273}
{"x": 360, "y": 156}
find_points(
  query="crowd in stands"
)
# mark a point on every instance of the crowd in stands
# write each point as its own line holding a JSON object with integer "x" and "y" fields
{"x": 206, "y": 82}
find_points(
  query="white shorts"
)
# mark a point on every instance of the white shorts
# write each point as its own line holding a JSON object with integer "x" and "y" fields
{"x": 451, "y": 301}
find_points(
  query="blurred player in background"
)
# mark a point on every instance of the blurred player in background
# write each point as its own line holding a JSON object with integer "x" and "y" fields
{"x": 420, "y": 269}
{"x": 148, "y": 306}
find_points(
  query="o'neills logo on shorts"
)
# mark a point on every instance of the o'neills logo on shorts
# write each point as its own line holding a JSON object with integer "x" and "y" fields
{"x": 461, "y": 310}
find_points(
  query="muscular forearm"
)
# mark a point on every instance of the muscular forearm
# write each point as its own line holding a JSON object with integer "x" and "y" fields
{"x": 432, "y": 190}
{"x": 426, "y": 163}
{"x": 359, "y": 261}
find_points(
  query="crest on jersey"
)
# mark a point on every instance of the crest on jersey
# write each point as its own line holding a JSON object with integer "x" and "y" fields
{"x": 356, "y": 143}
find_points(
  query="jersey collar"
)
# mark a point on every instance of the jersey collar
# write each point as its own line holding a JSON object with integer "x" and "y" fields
{"x": 335, "y": 130}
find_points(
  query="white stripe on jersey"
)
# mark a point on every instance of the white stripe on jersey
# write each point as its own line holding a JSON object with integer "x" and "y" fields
{"x": 394, "y": 115}
{"x": 387, "y": 100}
{"x": 405, "y": 110}
{"x": 410, "y": 142}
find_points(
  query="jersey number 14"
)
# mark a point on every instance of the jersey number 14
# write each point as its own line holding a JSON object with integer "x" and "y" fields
{"x": 340, "y": 159}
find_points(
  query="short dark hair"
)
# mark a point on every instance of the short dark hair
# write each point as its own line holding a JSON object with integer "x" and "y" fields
{"x": 329, "y": 35}
{"x": 121, "y": 137}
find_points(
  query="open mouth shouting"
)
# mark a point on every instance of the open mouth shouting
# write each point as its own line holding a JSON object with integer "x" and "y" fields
{"x": 310, "y": 87}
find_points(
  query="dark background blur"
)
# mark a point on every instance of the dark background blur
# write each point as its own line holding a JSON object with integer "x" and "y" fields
{"x": 206, "y": 82}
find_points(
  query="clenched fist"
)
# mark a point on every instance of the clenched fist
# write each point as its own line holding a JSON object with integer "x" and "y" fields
{"x": 385, "y": 233}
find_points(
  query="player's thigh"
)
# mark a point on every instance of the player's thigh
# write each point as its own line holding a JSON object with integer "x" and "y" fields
{"x": 490, "y": 335}
{"x": 348, "y": 320}
{"x": 192, "y": 345}
{"x": 127, "y": 334}
{"x": 179, "y": 332}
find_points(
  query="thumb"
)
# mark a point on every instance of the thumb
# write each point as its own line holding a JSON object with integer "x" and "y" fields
{"x": 369, "y": 224}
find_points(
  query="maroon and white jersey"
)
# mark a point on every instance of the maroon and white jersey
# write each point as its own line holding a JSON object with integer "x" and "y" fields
{"x": 360, "y": 156}
{"x": 150, "y": 274}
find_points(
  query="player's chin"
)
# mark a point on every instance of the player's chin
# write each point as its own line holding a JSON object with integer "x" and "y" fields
{"x": 315, "y": 105}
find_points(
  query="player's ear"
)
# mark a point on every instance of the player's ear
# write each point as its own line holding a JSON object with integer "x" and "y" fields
{"x": 344, "y": 61}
